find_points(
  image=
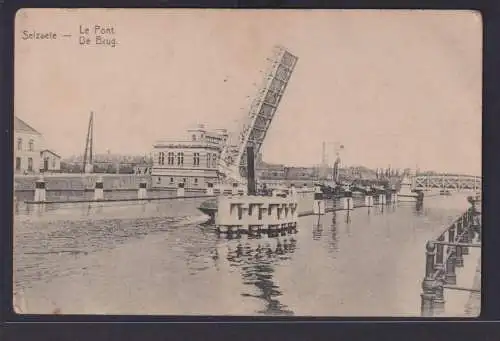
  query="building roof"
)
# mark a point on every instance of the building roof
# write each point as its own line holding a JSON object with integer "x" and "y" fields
{"x": 21, "y": 126}
{"x": 51, "y": 152}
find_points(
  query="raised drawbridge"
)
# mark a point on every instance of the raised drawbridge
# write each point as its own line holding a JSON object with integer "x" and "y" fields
{"x": 232, "y": 162}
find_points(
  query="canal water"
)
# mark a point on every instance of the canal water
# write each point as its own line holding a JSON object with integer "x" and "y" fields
{"x": 160, "y": 258}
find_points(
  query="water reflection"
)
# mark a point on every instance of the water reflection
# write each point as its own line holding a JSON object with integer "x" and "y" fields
{"x": 391, "y": 208}
{"x": 261, "y": 268}
{"x": 317, "y": 229}
{"x": 256, "y": 257}
{"x": 348, "y": 217}
{"x": 333, "y": 245}
{"x": 419, "y": 208}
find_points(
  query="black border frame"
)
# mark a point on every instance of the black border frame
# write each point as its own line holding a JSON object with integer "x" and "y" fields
{"x": 180, "y": 328}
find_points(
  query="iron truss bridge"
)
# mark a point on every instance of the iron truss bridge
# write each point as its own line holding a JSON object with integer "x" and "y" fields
{"x": 447, "y": 182}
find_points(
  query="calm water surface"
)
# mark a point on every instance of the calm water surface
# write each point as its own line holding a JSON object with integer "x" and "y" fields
{"x": 159, "y": 258}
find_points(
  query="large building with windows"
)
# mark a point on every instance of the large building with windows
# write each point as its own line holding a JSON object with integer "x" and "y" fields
{"x": 27, "y": 146}
{"x": 192, "y": 161}
{"x": 30, "y": 154}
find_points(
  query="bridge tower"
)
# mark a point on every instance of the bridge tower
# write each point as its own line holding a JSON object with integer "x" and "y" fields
{"x": 88, "y": 160}
{"x": 262, "y": 110}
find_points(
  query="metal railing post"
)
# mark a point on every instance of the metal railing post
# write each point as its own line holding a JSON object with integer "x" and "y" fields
{"x": 439, "y": 265}
{"x": 465, "y": 235}
{"x": 428, "y": 285}
{"x": 439, "y": 302}
{"x": 459, "y": 259}
{"x": 450, "y": 275}
{"x": 459, "y": 229}
{"x": 451, "y": 234}
{"x": 470, "y": 230}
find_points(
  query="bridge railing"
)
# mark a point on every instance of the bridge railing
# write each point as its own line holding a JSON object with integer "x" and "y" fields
{"x": 446, "y": 253}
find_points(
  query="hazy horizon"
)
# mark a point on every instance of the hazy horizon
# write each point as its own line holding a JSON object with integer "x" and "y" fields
{"x": 399, "y": 88}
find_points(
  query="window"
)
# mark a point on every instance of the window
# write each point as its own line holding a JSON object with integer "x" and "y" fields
{"x": 196, "y": 181}
{"x": 161, "y": 158}
{"x": 184, "y": 180}
{"x": 31, "y": 146}
{"x": 171, "y": 180}
{"x": 30, "y": 164}
{"x": 18, "y": 163}
{"x": 158, "y": 181}
{"x": 180, "y": 159}
{"x": 214, "y": 160}
{"x": 196, "y": 159}
{"x": 19, "y": 144}
{"x": 53, "y": 164}
{"x": 170, "y": 158}
{"x": 194, "y": 137}
{"x": 208, "y": 160}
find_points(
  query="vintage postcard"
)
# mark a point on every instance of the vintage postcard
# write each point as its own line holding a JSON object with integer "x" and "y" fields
{"x": 247, "y": 162}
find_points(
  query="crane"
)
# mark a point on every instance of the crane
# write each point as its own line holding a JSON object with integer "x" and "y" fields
{"x": 89, "y": 143}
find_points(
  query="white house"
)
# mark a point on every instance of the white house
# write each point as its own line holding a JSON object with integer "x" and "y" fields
{"x": 27, "y": 146}
{"x": 51, "y": 162}
{"x": 30, "y": 154}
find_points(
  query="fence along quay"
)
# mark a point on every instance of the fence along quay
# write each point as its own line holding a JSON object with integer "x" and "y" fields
{"x": 445, "y": 254}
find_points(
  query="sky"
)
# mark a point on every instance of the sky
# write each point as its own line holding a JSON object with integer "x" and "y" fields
{"x": 399, "y": 88}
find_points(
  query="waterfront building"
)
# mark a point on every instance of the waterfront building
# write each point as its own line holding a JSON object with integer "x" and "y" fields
{"x": 193, "y": 160}
{"x": 28, "y": 143}
{"x": 30, "y": 153}
{"x": 51, "y": 162}
{"x": 301, "y": 173}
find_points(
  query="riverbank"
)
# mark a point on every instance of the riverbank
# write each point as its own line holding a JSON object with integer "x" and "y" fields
{"x": 81, "y": 182}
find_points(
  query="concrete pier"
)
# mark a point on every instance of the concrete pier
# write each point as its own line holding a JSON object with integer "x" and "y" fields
{"x": 210, "y": 189}
{"x": 180, "y": 190}
{"x": 142, "y": 192}
{"x": 99, "y": 189}
{"x": 40, "y": 190}
{"x": 249, "y": 213}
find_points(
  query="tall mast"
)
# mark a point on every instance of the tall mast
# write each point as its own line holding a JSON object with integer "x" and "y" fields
{"x": 88, "y": 153}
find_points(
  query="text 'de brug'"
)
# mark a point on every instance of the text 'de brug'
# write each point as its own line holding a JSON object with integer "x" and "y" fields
{"x": 98, "y": 35}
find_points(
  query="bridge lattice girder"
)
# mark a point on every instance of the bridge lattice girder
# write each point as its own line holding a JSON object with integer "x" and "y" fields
{"x": 261, "y": 114}
{"x": 449, "y": 182}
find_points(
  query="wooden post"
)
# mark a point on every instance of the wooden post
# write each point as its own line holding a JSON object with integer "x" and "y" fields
{"x": 428, "y": 285}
